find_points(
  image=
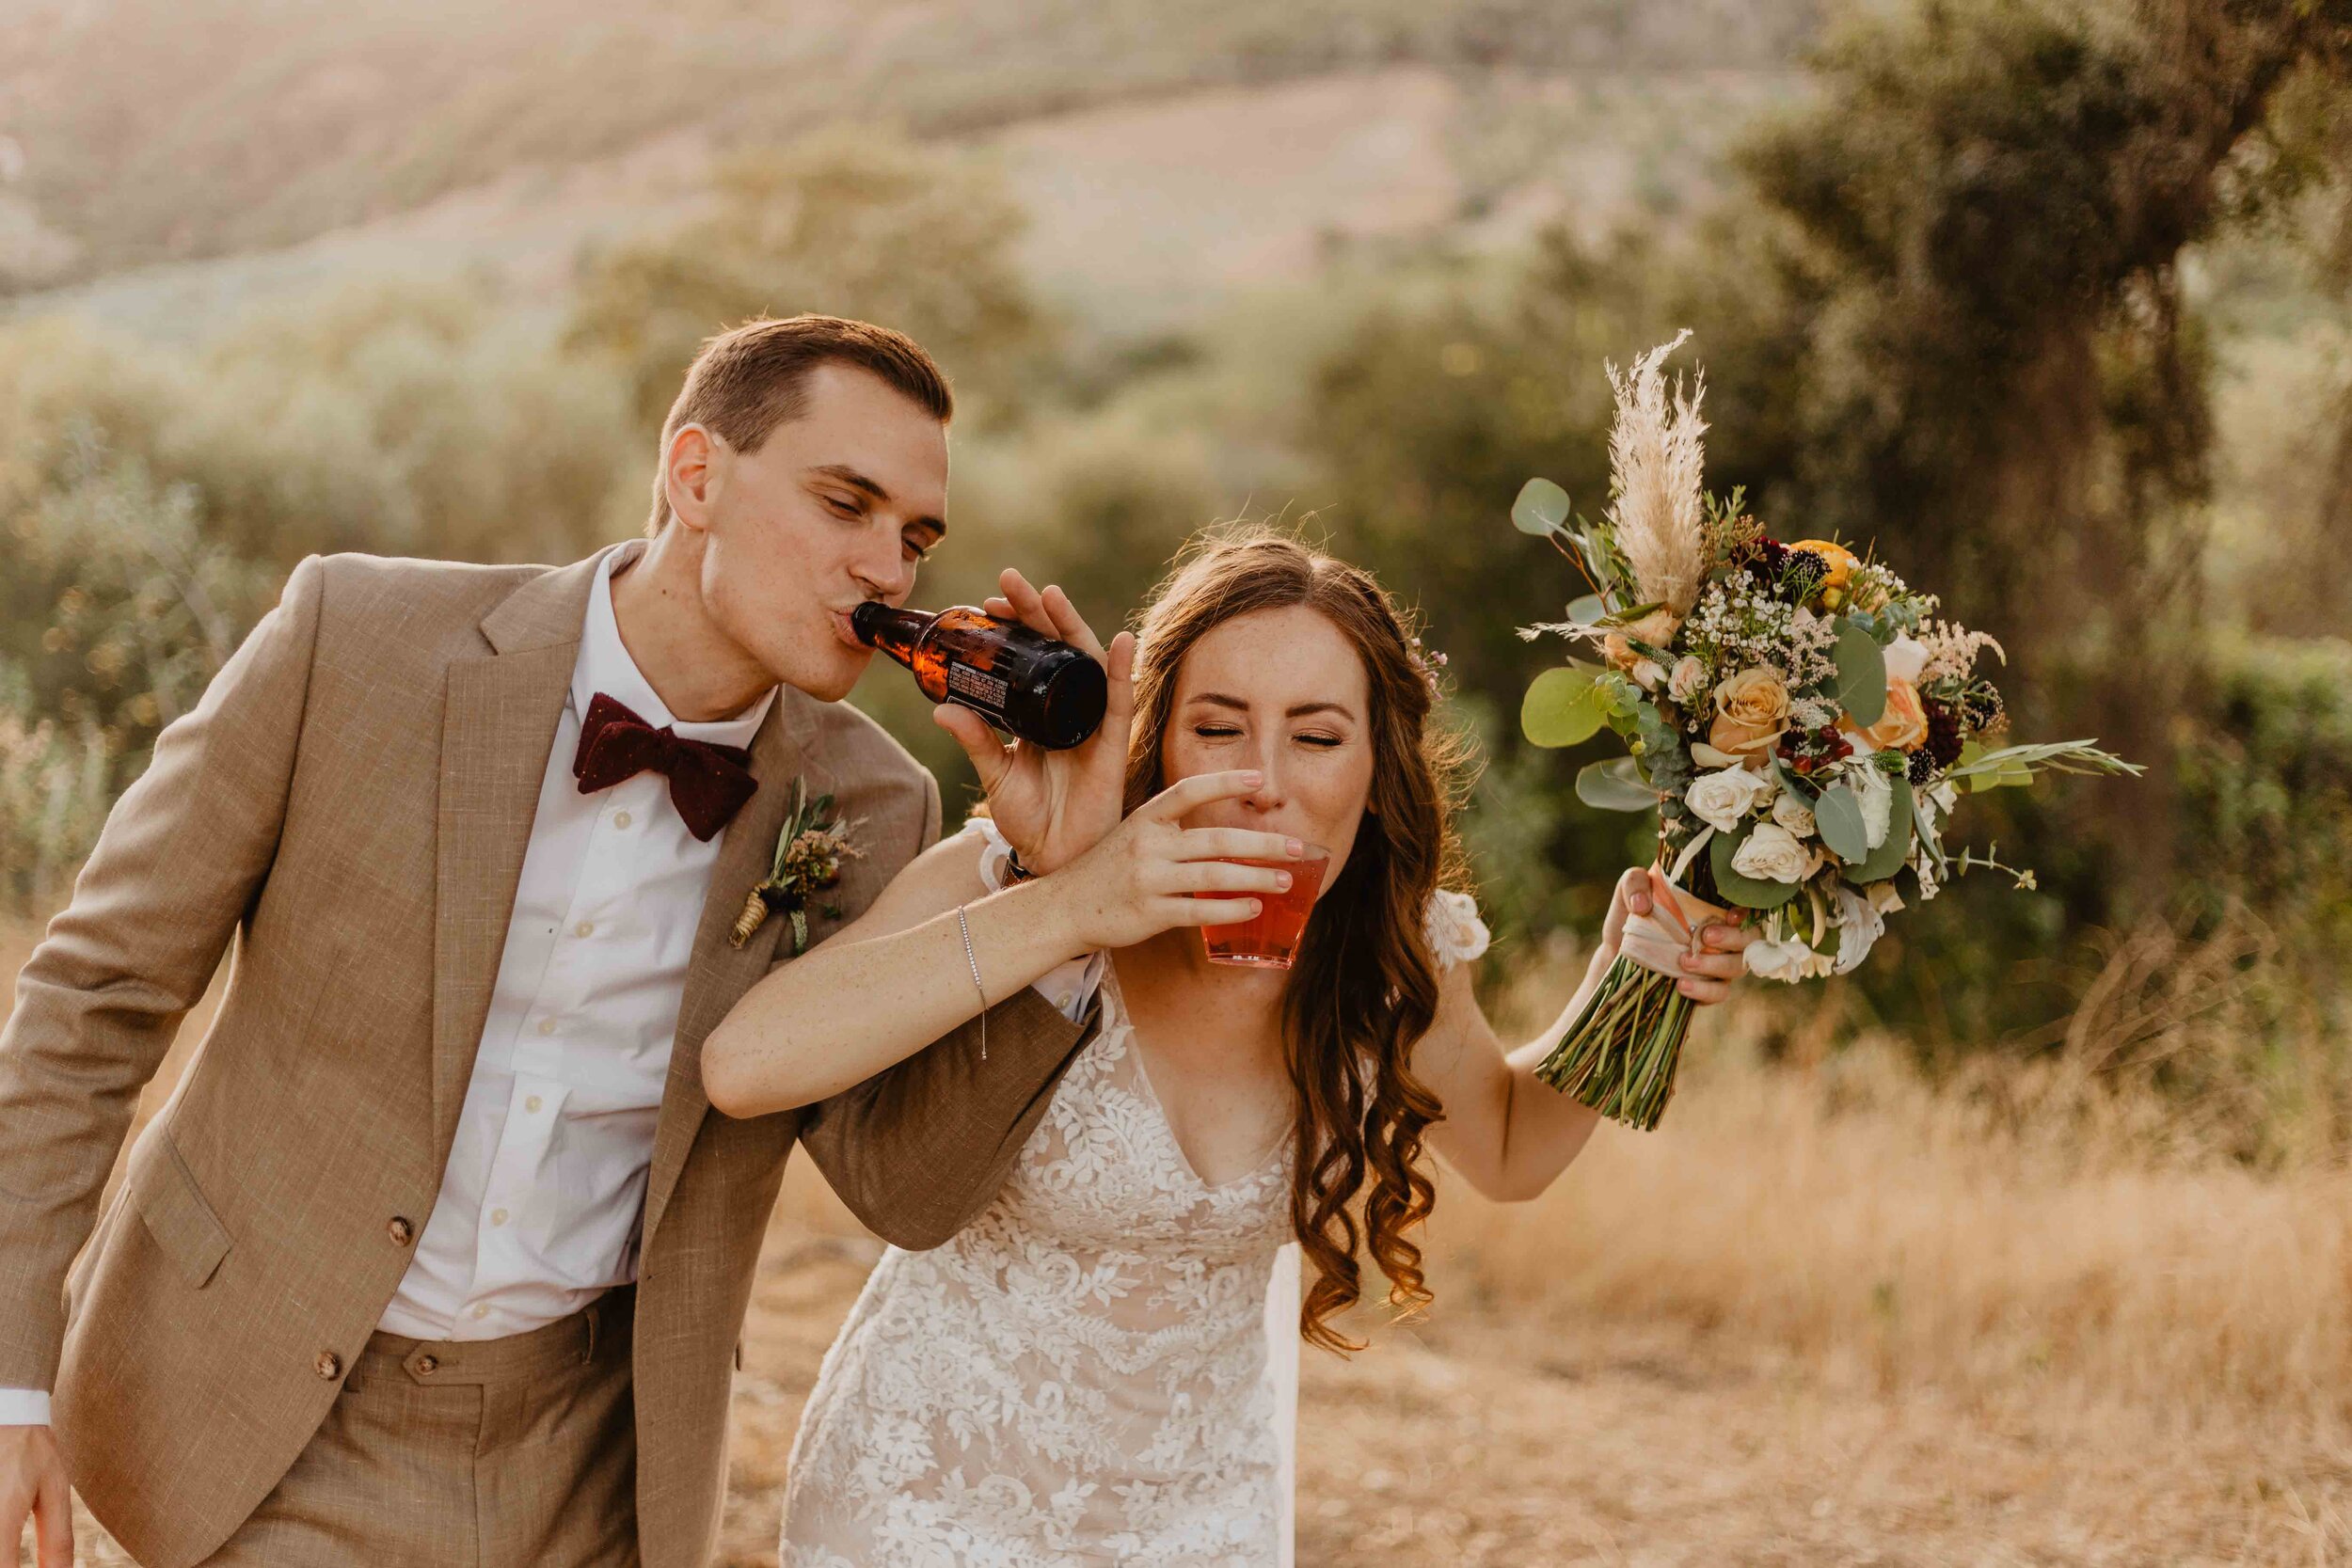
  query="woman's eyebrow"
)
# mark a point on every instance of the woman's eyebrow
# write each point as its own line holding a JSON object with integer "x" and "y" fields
{"x": 1219, "y": 699}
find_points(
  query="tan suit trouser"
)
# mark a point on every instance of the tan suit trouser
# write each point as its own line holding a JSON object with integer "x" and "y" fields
{"x": 466, "y": 1454}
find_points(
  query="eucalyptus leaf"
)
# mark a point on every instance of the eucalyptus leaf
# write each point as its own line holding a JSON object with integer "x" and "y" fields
{"x": 1541, "y": 508}
{"x": 1838, "y": 817}
{"x": 1890, "y": 856}
{"x": 1861, "y": 675}
{"x": 1615, "y": 784}
{"x": 1749, "y": 892}
{"x": 1587, "y": 610}
{"x": 1563, "y": 706}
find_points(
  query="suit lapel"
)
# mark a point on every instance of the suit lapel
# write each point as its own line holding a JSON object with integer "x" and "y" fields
{"x": 498, "y": 720}
{"x": 719, "y": 973}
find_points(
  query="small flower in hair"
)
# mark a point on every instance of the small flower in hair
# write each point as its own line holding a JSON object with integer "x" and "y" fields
{"x": 1427, "y": 661}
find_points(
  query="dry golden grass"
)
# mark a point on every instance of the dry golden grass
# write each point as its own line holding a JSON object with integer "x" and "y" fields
{"x": 1823, "y": 1316}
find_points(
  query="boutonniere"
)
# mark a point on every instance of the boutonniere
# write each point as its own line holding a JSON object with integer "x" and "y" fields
{"x": 809, "y": 852}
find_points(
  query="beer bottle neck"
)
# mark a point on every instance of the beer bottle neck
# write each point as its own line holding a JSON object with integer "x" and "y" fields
{"x": 879, "y": 625}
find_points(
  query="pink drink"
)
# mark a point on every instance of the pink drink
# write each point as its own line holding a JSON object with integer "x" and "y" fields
{"x": 1271, "y": 940}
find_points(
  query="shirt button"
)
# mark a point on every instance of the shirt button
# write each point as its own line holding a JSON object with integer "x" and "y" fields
{"x": 400, "y": 1231}
{"x": 620, "y": 819}
{"x": 497, "y": 1217}
{"x": 478, "y": 1312}
{"x": 531, "y": 1103}
{"x": 328, "y": 1366}
{"x": 586, "y": 927}
{"x": 547, "y": 1026}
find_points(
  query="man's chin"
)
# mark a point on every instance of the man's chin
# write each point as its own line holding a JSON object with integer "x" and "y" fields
{"x": 830, "y": 679}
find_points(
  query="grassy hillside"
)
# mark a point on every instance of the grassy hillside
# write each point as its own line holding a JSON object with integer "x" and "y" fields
{"x": 146, "y": 130}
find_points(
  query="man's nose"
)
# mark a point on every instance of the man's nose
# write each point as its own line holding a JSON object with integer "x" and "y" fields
{"x": 884, "y": 573}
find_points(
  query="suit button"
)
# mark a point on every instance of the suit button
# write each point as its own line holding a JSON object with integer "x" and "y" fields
{"x": 426, "y": 1366}
{"x": 400, "y": 1231}
{"x": 328, "y": 1366}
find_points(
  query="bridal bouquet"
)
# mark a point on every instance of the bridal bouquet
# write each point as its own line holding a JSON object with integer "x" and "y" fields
{"x": 1801, "y": 719}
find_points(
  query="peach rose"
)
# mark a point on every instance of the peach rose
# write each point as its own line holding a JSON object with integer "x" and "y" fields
{"x": 1903, "y": 727}
{"x": 1751, "y": 712}
{"x": 1657, "y": 628}
{"x": 1753, "y": 696}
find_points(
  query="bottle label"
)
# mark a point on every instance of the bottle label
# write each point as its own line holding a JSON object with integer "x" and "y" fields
{"x": 977, "y": 687}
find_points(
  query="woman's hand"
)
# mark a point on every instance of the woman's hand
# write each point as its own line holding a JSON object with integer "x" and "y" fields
{"x": 1141, "y": 879}
{"x": 1707, "y": 974}
{"x": 1052, "y": 806}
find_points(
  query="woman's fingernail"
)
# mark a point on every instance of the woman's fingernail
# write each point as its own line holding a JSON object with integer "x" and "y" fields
{"x": 1252, "y": 778}
{"x": 1282, "y": 882}
{"x": 1293, "y": 849}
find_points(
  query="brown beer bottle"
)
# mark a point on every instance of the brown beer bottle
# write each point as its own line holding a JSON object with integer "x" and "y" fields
{"x": 1045, "y": 691}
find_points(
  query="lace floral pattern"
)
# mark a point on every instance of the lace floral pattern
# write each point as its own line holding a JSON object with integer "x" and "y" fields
{"x": 1081, "y": 1376}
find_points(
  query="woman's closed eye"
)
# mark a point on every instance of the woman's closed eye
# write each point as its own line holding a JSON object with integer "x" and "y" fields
{"x": 1226, "y": 731}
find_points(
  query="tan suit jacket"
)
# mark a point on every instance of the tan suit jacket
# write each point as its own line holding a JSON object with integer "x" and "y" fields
{"x": 348, "y": 809}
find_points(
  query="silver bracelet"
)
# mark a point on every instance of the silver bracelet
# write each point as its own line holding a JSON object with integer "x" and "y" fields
{"x": 971, "y": 958}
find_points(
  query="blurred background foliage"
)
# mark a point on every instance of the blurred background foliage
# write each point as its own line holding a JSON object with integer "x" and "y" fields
{"x": 2052, "y": 301}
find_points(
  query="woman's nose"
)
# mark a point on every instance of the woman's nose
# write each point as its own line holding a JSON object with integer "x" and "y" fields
{"x": 1270, "y": 794}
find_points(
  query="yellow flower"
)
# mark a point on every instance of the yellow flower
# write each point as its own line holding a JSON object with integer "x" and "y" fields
{"x": 1841, "y": 561}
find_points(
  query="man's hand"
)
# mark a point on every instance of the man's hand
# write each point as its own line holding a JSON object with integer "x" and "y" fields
{"x": 1052, "y": 806}
{"x": 33, "y": 1485}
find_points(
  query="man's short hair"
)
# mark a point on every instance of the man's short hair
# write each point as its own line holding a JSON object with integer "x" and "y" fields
{"x": 752, "y": 378}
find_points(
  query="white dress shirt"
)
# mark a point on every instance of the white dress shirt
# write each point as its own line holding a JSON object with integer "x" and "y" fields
{"x": 540, "y": 1205}
{"x": 541, "y": 1202}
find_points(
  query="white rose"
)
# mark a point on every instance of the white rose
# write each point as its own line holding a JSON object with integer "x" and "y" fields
{"x": 1723, "y": 800}
{"x": 1786, "y": 958}
{"x": 1791, "y": 812}
{"x": 1773, "y": 854}
{"x": 1689, "y": 680}
{"x": 1905, "y": 658}
{"x": 1647, "y": 674}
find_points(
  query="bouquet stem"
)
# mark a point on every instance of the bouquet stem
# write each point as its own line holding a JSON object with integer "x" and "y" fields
{"x": 1619, "y": 1056}
{"x": 1620, "y": 1052}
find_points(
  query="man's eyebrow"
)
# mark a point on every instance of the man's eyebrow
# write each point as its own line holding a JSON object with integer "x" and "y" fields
{"x": 873, "y": 491}
{"x": 1219, "y": 699}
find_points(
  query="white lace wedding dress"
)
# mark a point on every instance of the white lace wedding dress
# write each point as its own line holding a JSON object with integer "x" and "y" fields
{"x": 1082, "y": 1375}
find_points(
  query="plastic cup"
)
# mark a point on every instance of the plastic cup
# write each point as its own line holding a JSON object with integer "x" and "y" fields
{"x": 1270, "y": 941}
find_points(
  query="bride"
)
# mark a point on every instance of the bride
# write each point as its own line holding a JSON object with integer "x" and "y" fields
{"x": 1080, "y": 1376}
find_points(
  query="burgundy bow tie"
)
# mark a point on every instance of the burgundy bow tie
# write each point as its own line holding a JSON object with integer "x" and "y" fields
{"x": 709, "y": 783}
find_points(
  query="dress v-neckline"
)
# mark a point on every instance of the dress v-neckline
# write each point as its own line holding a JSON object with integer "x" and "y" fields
{"x": 1266, "y": 1162}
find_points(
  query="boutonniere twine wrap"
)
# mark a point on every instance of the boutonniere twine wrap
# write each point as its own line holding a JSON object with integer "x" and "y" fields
{"x": 809, "y": 852}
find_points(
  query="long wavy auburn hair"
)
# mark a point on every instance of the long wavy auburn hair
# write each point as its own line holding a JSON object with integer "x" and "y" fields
{"x": 1364, "y": 988}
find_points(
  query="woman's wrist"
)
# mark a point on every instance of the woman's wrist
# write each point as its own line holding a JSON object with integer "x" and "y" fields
{"x": 1045, "y": 907}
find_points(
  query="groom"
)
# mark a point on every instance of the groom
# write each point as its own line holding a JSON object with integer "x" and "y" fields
{"x": 436, "y": 1257}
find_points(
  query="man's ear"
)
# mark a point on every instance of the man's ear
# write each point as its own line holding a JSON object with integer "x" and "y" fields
{"x": 693, "y": 471}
